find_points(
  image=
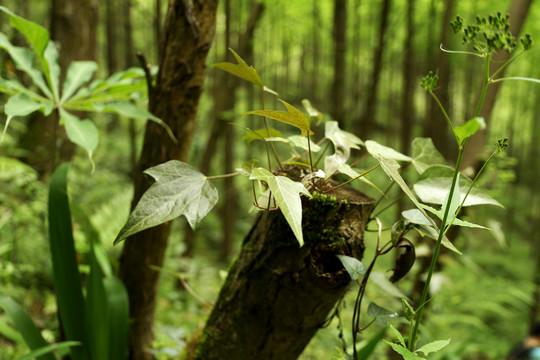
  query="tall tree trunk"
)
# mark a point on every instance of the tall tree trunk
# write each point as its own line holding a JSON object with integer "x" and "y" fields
{"x": 475, "y": 150}
{"x": 73, "y": 28}
{"x": 435, "y": 125}
{"x": 129, "y": 61}
{"x": 340, "y": 48}
{"x": 113, "y": 40}
{"x": 407, "y": 105}
{"x": 188, "y": 35}
{"x": 315, "y": 45}
{"x": 277, "y": 294}
{"x": 370, "y": 110}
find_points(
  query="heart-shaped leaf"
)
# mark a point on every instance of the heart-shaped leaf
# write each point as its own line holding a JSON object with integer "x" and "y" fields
{"x": 179, "y": 190}
{"x": 382, "y": 316}
{"x": 287, "y": 194}
{"x": 292, "y": 116}
{"x": 354, "y": 267}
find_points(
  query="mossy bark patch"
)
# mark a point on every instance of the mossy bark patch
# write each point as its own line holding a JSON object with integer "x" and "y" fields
{"x": 277, "y": 294}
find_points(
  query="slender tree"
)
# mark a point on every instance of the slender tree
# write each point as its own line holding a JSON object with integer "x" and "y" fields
{"x": 188, "y": 33}
{"x": 370, "y": 109}
{"x": 340, "y": 49}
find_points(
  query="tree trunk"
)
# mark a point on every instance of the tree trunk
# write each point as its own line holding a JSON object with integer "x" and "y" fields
{"x": 340, "y": 47}
{"x": 475, "y": 150}
{"x": 369, "y": 115}
{"x": 435, "y": 125}
{"x": 407, "y": 105}
{"x": 277, "y": 294}
{"x": 188, "y": 35}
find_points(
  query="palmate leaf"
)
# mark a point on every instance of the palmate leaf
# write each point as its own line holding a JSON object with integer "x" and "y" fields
{"x": 292, "y": 116}
{"x": 242, "y": 70}
{"x": 81, "y": 132}
{"x": 287, "y": 194}
{"x": 380, "y": 151}
{"x": 179, "y": 190}
{"x": 79, "y": 72}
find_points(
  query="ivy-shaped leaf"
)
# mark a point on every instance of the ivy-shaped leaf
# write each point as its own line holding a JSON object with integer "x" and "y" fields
{"x": 262, "y": 134}
{"x": 354, "y": 267}
{"x": 311, "y": 110}
{"x": 179, "y": 190}
{"x": 242, "y": 70}
{"x": 287, "y": 194}
{"x": 380, "y": 151}
{"x": 435, "y": 190}
{"x": 343, "y": 140}
{"x": 302, "y": 142}
{"x": 292, "y": 116}
{"x": 424, "y": 154}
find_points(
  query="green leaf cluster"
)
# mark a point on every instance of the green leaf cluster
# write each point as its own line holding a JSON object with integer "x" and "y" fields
{"x": 47, "y": 95}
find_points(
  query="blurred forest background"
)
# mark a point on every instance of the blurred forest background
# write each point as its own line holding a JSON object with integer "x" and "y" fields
{"x": 359, "y": 62}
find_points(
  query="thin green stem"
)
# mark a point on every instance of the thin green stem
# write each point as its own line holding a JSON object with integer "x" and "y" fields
{"x": 484, "y": 88}
{"x": 508, "y": 62}
{"x": 412, "y": 335}
{"x": 469, "y": 190}
{"x": 222, "y": 176}
{"x": 309, "y": 152}
{"x": 359, "y": 176}
{"x": 271, "y": 143}
{"x": 322, "y": 153}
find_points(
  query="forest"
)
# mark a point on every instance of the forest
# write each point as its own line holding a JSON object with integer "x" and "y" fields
{"x": 255, "y": 179}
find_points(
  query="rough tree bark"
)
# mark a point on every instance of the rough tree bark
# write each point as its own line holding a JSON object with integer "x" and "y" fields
{"x": 187, "y": 37}
{"x": 277, "y": 294}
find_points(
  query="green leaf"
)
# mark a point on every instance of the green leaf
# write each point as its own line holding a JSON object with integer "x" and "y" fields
{"x": 433, "y": 233}
{"x": 456, "y": 221}
{"x": 287, "y": 194}
{"x": 118, "y": 303}
{"x": 311, "y": 110}
{"x": 97, "y": 311}
{"x": 397, "y": 334}
{"x": 367, "y": 350}
{"x": 391, "y": 167}
{"x": 22, "y": 105}
{"x": 36, "y": 35}
{"x": 382, "y": 316}
{"x": 452, "y": 204}
{"x": 469, "y": 128}
{"x": 24, "y": 61}
{"x": 341, "y": 139}
{"x": 382, "y": 282}
{"x": 416, "y": 217}
{"x": 354, "y": 267}
{"x": 242, "y": 70}
{"x": 292, "y": 117}
{"x": 261, "y": 134}
{"x": 380, "y": 151}
{"x": 25, "y": 325}
{"x": 179, "y": 190}
{"x": 424, "y": 154}
{"x": 433, "y": 346}
{"x": 79, "y": 72}
{"x": 406, "y": 353}
{"x": 51, "y": 69}
{"x": 38, "y": 353}
{"x": 67, "y": 279}
{"x": 81, "y": 132}
{"x": 129, "y": 110}
{"x": 435, "y": 190}
{"x": 302, "y": 142}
